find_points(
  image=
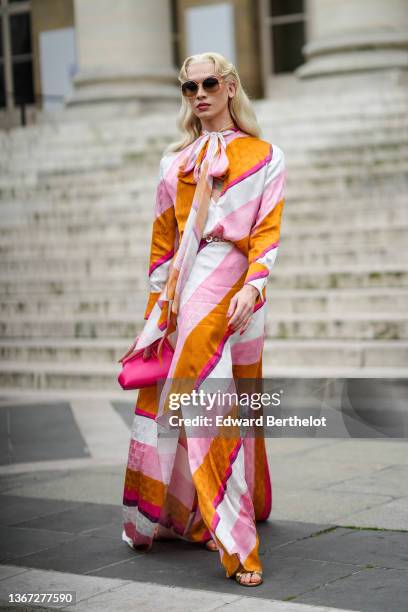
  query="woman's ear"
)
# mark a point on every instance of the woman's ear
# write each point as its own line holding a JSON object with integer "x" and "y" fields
{"x": 232, "y": 88}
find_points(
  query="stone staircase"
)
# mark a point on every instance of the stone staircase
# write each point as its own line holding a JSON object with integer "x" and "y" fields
{"x": 76, "y": 202}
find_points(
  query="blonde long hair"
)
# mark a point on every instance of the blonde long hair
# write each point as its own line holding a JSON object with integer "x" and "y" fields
{"x": 240, "y": 106}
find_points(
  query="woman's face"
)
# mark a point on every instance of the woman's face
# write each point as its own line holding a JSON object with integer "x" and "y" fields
{"x": 204, "y": 104}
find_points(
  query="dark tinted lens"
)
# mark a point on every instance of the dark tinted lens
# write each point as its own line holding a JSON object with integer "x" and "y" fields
{"x": 211, "y": 84}
{"x": 189, "y": 88}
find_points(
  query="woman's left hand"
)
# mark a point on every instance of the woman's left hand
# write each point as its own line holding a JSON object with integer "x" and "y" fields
{"x": 241, "y": 307}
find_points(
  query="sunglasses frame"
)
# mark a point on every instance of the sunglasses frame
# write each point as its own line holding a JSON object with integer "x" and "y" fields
{"x": 193, "y": 94}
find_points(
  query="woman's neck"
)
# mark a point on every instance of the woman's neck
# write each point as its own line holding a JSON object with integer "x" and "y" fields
{"x": 218, "y": 124}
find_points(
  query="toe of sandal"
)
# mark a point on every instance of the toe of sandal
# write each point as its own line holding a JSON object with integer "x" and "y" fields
{"x": 239, "y": 576}
{"x": 211, "y": 545}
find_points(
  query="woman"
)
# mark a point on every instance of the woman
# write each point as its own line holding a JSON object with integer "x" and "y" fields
{"x": 214, "y": 241}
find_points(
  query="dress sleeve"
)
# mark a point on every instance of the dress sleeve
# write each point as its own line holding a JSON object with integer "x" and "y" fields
{"x": 265, "y": 232}
{"x": 162, "y": 241}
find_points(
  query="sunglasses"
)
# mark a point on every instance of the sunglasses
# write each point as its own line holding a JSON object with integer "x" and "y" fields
{"x": 190, "y": 88}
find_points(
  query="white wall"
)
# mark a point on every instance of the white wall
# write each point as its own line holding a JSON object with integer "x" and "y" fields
{"x": 57, "y": 64}
{"x": 211, "y": 28}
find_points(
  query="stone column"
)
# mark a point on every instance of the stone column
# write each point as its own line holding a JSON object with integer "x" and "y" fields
{"x": 355, "y": 36}
{"x": 124, "y": 53}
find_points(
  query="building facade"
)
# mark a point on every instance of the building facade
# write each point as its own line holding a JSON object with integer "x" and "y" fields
{"x": 56, "y": 53}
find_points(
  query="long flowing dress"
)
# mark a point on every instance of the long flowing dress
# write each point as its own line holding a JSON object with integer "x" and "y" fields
{"x": 208, "y": 486}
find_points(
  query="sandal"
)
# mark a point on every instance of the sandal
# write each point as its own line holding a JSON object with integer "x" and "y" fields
{"x": 239, "y": 575}
{"x": 126, "y": 539}
{"x": 211, "y": 545}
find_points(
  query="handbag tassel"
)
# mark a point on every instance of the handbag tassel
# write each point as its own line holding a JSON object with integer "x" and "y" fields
{"x": 166, "y": 331}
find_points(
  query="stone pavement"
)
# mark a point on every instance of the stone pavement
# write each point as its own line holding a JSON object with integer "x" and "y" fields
{"x": 337, "y": 538}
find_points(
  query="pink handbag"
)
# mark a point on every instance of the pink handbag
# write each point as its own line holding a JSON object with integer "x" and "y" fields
{"x": 138, "y": 372}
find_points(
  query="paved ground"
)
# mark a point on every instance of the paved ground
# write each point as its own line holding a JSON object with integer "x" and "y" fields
{"x": 337, "y": 537}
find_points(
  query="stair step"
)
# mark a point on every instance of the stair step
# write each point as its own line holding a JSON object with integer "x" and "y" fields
{"x": 323, "y": 244}
{"x": 375, "y": 275}
{"x": 102, "y": 232}
{"x": 87, "y": 376}
{"x": 141, "y": 220}
{"x": 84, "y": 266}
{"x": 114, "y": 249}
{"x": 141, "y": 198}
{"x": 359, "y": 300}
{"x": 134, "y": 276}
{"x": 342, "y": 325}
{"x": 334, "y": 353}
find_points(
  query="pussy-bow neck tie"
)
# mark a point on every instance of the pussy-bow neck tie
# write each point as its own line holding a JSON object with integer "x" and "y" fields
{"x": 209, "y": 160}
{"x": 215, "y": 154}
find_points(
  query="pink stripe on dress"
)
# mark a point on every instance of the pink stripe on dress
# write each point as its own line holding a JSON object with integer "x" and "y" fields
{"x": 273, "y": 194}
{"x": 244, "y": 530}
{"x": 221, "y": 492}
{"x": 247, "y": 352}
{"x": 248, "y": 172}
{"x": 161, "y": 261}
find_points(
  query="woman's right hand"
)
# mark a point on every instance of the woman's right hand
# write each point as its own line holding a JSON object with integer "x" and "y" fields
{"x": 130, "y": 351}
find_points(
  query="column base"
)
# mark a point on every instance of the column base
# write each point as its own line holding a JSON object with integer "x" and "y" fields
{"x": 143, "y": 88}
{"x": 356, "y": 53}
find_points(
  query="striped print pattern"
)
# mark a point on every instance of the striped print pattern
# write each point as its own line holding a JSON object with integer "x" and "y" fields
{"x": 211, "y": 486}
